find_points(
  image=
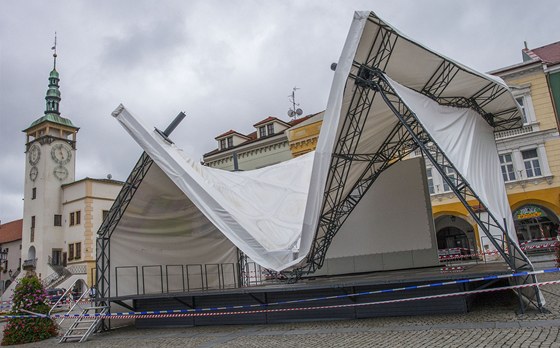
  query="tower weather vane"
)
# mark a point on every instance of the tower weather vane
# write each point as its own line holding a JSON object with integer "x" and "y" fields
{"x": 293, "y": 112}
{"x": 54, "y": 49}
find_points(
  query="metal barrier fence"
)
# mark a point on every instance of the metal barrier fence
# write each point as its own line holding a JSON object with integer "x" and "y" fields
{"x": 158, "y": 279}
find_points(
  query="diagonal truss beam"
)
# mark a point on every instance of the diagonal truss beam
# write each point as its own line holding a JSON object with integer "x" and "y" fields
{"x": 404, "y": 138}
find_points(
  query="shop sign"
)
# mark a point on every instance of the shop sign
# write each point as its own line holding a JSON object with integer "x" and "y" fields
{"x": 528, "y": 212}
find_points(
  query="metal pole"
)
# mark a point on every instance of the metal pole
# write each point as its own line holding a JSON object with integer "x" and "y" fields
{"x": 174, "y": 124}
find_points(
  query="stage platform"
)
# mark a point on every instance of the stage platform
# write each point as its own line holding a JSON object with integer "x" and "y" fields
{"x": 318, "y": 287}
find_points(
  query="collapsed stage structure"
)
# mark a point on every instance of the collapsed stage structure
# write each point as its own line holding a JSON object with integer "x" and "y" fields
{"x": 390, "y": 97}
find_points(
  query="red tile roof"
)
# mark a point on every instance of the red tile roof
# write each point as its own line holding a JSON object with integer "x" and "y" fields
{"x": 230, "y": 132}
{"x": 252, "y": 137}
{"x": 299, "y": 120}
{"x": 11, "y": 231}
{"x": 549, "y": 54}
{"x": 266, "y": 120}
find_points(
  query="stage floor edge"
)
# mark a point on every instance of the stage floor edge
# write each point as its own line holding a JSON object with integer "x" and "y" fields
{"x": 319, "y": 287}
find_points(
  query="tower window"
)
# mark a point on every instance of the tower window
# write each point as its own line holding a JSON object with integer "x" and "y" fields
{"x": 34, "y": 193}
{"x": 32, "y": 235}
{"x": 57, "y": 220}
{"x": 70, "y": 251}
{"x": 78, "y": 251}
{"x": 75, "y": 218}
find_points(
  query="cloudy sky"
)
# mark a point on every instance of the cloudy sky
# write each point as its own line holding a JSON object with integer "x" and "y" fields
{"x": 227, "y": 64}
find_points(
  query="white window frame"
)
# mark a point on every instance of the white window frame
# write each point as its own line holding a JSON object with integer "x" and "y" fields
{"x": 524, "y": 93}
{"x": 531, "y": 163}
{"x": 270, "y": 128}
{"x": 507, "y": 175}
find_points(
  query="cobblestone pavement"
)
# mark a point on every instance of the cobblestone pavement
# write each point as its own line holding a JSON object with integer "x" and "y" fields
{"x": 492, "y": 322}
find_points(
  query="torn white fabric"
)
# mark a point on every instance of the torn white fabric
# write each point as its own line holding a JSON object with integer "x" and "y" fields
{"x": 468, "y": 142}
{"x": 260, "y": 211}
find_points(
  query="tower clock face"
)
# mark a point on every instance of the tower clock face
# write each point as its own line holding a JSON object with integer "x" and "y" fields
{"x": 33, "y": 173}
{"x": 61, "y": 154}
{"x": 60, "y": 173}
{"x": 34, "y": 154}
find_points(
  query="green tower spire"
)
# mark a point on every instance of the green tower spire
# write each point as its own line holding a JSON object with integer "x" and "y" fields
{"x": 52, "y": 112}
{"x": 53, "y": 93}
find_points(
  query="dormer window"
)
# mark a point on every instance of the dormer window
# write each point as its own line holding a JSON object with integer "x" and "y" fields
{"x": 262, "y": 131}
{"x": 230, "y": 142}
{"x": 270, "y": 128}
{"x": 222, "y": 144}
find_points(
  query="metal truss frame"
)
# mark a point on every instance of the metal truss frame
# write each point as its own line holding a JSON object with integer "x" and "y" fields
{"x": 103, "y": 242}
{"x": 404, "y": 138}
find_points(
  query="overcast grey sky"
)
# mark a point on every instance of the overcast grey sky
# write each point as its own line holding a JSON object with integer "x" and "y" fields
{"x": 227, "y": 64}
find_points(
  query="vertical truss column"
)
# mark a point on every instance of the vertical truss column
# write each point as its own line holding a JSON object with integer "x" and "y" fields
{"x": 103, "y": 262}
{"x": 103, "y": 242}
{"x": 507, "y": 248}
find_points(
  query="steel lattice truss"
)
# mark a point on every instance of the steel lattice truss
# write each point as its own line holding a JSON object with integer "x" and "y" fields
{"x": 103, "y": 243}
{"x": 404, "y": 138}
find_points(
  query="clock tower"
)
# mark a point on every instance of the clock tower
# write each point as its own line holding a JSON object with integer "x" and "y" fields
{"x": 50, "y": 158}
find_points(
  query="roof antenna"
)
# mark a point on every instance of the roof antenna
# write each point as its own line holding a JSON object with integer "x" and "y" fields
{"x": 293, "y": 111}
{"x": 525, "y": 43}
{"x": 54, "y": 49}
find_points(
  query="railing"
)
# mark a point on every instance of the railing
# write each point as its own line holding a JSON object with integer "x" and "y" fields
{"x": 31, "y": 263}
{"x": 77, "y": 269}
{"x": 58, "y": 268}
{"x": 156, "y": 279}
{"x": 513, "y": 132}
{"x": 51, "y": 279}
{"x": 69, "y": 296}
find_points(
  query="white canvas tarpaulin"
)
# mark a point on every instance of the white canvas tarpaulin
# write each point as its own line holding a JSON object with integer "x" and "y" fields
{"x": 468, "y": 141}
{"x": 260, "y": 211}
{"x": 272, "y": 214}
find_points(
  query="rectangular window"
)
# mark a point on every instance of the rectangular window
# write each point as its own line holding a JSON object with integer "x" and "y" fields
{"x": 222, "y": 144}
{"x": 34, "y": 193}
{"x": 78, "y": 217}
{"x": 506, "y": 163}
{"x": 270, "y": 129}
{"x": 230, "y": 142}
{"x": 70, "y": 251}
{"x": 521, "y": 102}
{"x": 71, "y": 219}
{"x": 531, "y": 162}
{"x": 32, "y": 236}
{"x": 105, "y": 214}
{"x": 78, "y": 251}
{"x": 452, "y": 176}
{"x": 262, "y": 131}
{"x": 430, "y": 181}
{"x": 57, "y": 220}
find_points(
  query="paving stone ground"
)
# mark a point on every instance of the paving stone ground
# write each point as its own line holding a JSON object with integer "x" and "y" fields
{"x": 492, "y": 322}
